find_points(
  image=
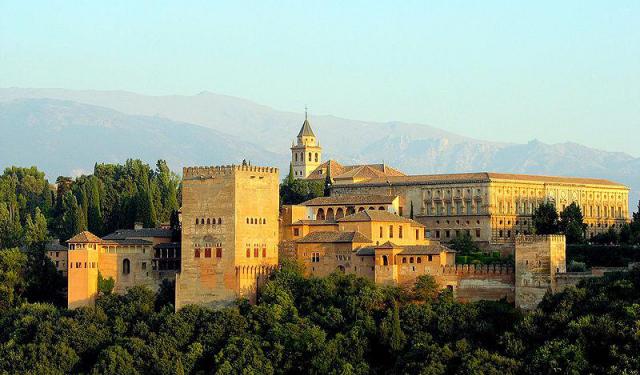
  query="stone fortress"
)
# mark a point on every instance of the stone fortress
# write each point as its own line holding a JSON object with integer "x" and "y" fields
{"x": 377, "y": 223}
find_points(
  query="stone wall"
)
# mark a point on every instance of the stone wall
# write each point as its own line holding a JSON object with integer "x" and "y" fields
{"x": 242, "y": 202}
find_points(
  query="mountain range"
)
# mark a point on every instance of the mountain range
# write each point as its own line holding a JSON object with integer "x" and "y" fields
{"x": 64, "y": 132}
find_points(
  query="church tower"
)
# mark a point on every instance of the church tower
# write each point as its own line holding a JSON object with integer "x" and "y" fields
{"x": 306, "y": 153}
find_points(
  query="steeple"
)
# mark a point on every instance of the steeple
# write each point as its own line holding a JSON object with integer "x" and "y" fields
{"x": 306, "y": 131}
{"x": 306, "y": 154}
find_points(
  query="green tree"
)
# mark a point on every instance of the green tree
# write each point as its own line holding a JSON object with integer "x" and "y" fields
{"x": 13, "y": 265}
{"x": 115, "y": 360}
{"x": 464, "y": 244}
{"x": 391, "y": 330}
{"x": 72, "y": 222}
{"x": 572, "y": 223}
{"x": 426, "y": 288}
{"x": 545, "y": 219}
{"x": 36, "y": 233}
{"x": 11, "y": 234}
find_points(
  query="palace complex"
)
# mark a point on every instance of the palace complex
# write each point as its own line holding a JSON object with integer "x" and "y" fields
{"x": 378, "y": 223}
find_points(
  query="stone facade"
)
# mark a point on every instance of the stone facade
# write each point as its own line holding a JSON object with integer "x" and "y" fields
{"x": 494, "y": 208}
{"x": 129, "y": 259}
{"x": 229, "y": 233}
{"x": 306, "y": 153}
{"x": 539, "y": 259}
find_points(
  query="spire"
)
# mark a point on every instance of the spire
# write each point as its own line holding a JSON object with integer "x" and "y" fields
{"x": 306, "y": 131}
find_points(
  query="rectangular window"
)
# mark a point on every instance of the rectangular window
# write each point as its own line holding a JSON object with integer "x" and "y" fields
{"x": 315, "y": 257}
{"x": 430, "y": 258}
{"x": 144, "y": 265}
{"x": 447, "y": 233}
{"x": 207, "y": 252}
{"x": 248, "y": 253}
{"x": 417, "y": 234}
{"x": 427, "y": 233}
{"x": 390, "y": 231}
{"x": 255, "y": 252}
{"x": 380, "y": 232}
{"x": 400, "y": 210}
{"x": 478, "y": 233}
{"x": 57, "y": 264}
{"x": 218, "y": 252}
{"x": 264, "y": 252}
{"x": 437, "y": 234}
{"x": 296, "y": 232}
{"x": 400, "y": 231}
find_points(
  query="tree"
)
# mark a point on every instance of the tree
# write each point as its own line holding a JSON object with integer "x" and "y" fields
{"x": 115, "y": 360}
{"x": 72, "y": 222}
{"x": 13, "y": 264}
{"x": 464, "y": 244}
{"x": 391, "y": 331}
{"x": 94, "y": 211}
{"x": 11, "y": 234}
{"x": 36, "y": 233}
{"x": 426, "y": 288}
{"x": 545, "y": 219}
{"x": 572, "y": 224}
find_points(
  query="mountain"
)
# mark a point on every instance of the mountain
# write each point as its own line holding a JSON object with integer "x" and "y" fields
{"x": 64, "y": 137}
{"x": 262, "y": 134}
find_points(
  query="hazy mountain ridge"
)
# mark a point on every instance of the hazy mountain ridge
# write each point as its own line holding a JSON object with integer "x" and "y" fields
{"x": 241, "y": 129}
{"x": 64, "y": 137}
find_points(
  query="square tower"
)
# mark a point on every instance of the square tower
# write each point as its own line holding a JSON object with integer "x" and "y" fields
{"x": 306, "y": 153}
{"x": 229, "y": 233}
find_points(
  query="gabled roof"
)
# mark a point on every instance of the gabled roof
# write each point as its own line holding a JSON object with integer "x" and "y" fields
{"x": 339, "y": 171}
{"x": 54, "y": 245}
{"x": 315, "y": 222}
{"x": 376, "y": 215}
{"x": 85, "y": 237}
{"x": 335, "y": 237}
{"x": 122, "y": 234}
{"x": 306, "y": 131}
{"x": 345, "y": 200}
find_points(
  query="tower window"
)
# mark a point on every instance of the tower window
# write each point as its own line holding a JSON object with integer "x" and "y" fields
{"x": 126, "y": 266}
{"x": 316, "y": 157}
{"x": 218, "y": 252}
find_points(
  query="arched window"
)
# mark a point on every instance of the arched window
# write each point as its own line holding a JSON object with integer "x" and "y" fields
{"x": 380, "y": 232}
{"x": 219, "y": 220}
{"x": 381, "y": 208}
{"x": 371, "y": 208}
{"x": 330, "y": 215}
{"x": 351, "y": 210}
{"x": 296, "y": 156}
{"x": 419, "y": 260}
{"x": 360, "y": 209}
{"x": 208, "y": 220}
{"x": 339, "y": 213}
{"x": 385, "y": 260}
{"x": 404, "y": 260}
{"x": 126, "y": 266}
{"x": 320, "y": 214}
{"x": 309, "y": 156}
{"x": 411, "y": 260}
{"x": 264, "y": 221}
{"x": 197, "y": 221}
{"x": 316, "y": 157}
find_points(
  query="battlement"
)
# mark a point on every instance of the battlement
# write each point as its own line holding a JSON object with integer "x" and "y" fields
{"x": 477, "y": 269}
{"x": 223, "y": 170}
{"x": 533, "y": 238}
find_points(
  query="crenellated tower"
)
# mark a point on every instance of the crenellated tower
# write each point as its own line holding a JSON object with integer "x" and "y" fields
{"x": 306, "y": 153}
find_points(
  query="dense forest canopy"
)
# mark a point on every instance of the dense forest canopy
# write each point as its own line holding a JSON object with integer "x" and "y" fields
{"x": 340, "y": 324}
{"x": 115, "y": 196}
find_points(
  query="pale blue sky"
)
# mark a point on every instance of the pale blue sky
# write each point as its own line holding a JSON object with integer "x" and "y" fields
{"x": 552, "y": 70}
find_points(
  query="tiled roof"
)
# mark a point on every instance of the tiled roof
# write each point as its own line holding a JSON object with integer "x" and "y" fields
{"x": 334, "y": 236}
{"x": 306, "y": 131}
{"x": 85, "y": 237}
{"x": 350, "y": 200}
{"x": 127, "y": 241}
{"x": 339, "y": 171}
{"x": 425, "y": 249}
{"x": 54, "y": 245}
{"x": 481, "y": 177}
{"x": 377, "y": 215}
{"x": 366, "y": 251}
{"x": 122, "y": 234}
{"x": 315, "y": 222}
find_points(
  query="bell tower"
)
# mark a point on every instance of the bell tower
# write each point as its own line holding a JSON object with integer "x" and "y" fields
{"x": 306, "y": 153}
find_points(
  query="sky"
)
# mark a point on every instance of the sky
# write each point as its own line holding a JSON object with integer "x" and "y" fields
{"x": 505, "y": 71}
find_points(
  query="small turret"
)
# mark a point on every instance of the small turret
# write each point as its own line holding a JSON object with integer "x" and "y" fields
{"x": 306, "y": 154}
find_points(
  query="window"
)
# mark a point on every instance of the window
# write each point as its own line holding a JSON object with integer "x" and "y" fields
{"x": 417, "y": 234}
{"x": 309, "y": 156}
{"x": 380, "y": 232}
{"x": 315, "y": 257}
{"x": 255, "y": 252}
{"x": 399, "y": 231}
{"x": 430, "y": 258}
{"x": 144, "y": 265}
{"x": 404, "y": 260}
{"x": 447, "y": 233}
{"x": 411, "y": 260}
{"x": 57, "y": 264}
{"x": 296, "y": 232}
{"x": 478, "y": 233}
{"x": 207, "y": 252}
{"x": 437, "y": 234}
{"x": 218, "y": 252}
{"x": 57, "y": 254}
{"x": 316, "y": 156}
{"x": 385, "y": 260}
{"x": 208, "y": 220}
{"x": 264, "y": 252}
{"x": 419, "y": 260}
{"x": 248, "y": 253}
{"x": 126, "y": 266}
{"x": 219, "y": 220}
{"x": 390, "y": 231}
{"x": 197, "y": 253}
